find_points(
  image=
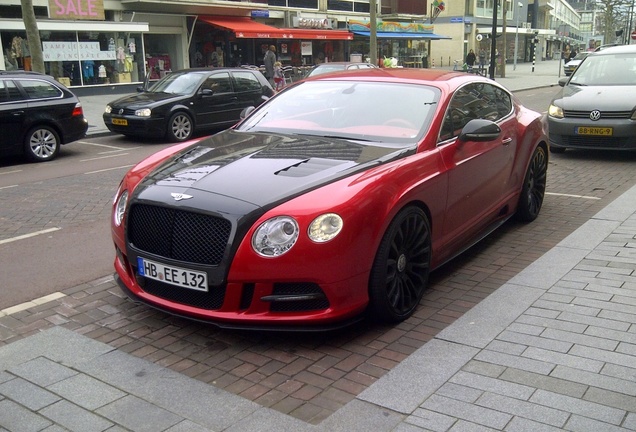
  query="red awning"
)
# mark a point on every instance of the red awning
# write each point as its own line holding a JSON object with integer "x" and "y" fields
{"x": 247, "y": 28}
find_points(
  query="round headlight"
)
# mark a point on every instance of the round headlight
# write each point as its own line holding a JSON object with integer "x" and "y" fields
{"x": 120, "y": 208}
{"x": 108, "y": 109}
{"x": 144, "y": 112}
{"x": 555, "y": 111}
{"x": 275, "y": 236}
{"x": 325, "y": 227}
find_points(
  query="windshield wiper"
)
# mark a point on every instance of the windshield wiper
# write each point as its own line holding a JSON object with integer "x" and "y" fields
{"x": 577, "y": 84}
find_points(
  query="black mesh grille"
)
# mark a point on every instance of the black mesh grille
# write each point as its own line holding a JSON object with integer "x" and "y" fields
{"x": 211, "y": 300}
{"x": 298, "y": 289}
{"x": 177, "y": 234}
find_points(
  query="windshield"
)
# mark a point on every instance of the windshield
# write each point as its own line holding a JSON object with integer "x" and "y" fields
{"x": 184, "y": 83}
{"x": 607, "y": 69}
{"x": 365, "y": 111}
{"x": 318, "y": 70}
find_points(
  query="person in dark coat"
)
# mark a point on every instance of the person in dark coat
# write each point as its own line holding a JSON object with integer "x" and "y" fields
{"x": 471, "y": 58}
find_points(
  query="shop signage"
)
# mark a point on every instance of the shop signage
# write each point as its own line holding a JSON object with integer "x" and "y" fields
{"x": 390, "y": 26}
{"x": 76, "y": 9}
{"x": 74, "y": 51}
{"x": 260, "y": 14}
{"x": 314, "y": 23}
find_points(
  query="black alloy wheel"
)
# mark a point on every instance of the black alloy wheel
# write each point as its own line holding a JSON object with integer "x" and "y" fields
{"x": 399, "y": 275}
{"x": 42, "y": 143}
{"x": 533, "y": 191}
{"x": 180, "y": 127}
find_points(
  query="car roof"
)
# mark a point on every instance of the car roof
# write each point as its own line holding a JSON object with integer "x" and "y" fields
{"x": 441, "y": 78}
{"x": 618, "y": 49}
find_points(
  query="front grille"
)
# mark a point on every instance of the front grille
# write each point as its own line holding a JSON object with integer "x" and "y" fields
{"x": 211, "y": 300}
{"x": 605, "y": 115}
{"x": 126, "y": 111}
{"x": 587, "y": 141}
{"x": 178, "y": 234}
{"x": 299, "y": 288}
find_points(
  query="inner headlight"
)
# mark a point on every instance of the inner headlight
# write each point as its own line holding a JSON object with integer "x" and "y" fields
{"x": 325, "y": 227}
{"x": 275, "y": 236}
{"x": 144, "y": 112}
{"x": 555, "y": 111}
{"x": 108, "y": 109}
{"x": 120, "y": 208}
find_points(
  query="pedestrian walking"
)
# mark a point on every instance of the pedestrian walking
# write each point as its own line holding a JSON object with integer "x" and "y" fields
{"x": 425, "y": 59}
{"x": 482, "y": 58}
{"x": 470, "y": 59}
{"x": 269, "y": 59}
{"x": 279, "y": 77}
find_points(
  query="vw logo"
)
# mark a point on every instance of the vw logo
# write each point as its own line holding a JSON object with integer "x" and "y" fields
{"x": 121, "y": 111}
{"x": 180, "y": 196}
{"x": 595, "y": 115}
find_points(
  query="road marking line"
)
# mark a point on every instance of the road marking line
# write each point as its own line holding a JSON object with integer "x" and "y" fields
{"x": 32, "y": 303}
{"x": 102, "y": 145}
{"x": 104, "y": 157}
{"x": 7, "y": 187}
{"x": 25, "y": 236}
{"x": 573, "y": 196}
{"x": 10, "y": 172}
{"x": 119, "y": 150}
{"x": 109, "y": 169}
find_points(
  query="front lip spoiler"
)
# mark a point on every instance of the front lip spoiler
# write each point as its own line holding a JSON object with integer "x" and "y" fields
{"x": 250, "y": 327}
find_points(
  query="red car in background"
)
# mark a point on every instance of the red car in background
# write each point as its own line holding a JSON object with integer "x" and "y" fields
{"x": 330, "y": 202}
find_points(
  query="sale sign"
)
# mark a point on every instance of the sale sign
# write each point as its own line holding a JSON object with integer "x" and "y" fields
{"x": 76, "y": 9}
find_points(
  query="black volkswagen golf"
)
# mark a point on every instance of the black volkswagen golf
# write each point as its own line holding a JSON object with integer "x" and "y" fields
{"x": 187, "y": 101}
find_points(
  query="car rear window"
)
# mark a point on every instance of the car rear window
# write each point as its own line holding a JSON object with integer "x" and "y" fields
{"x": 38, "y": 89}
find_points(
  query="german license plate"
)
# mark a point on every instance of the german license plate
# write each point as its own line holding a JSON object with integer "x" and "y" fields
{"x": 177, "y": 276}
{"x": 601, "y": 131}
{"x": 120, "y": 122}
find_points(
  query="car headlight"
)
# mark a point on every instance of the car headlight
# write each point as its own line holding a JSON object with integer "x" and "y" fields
{"x": 144, "y": 112}
{"x": 325, "y": 227}
{"x": 120, "y": 208}
{"x": 108, "y": 109}
{"x": 555, "y": 111}
{"x": 633, "y": 117}
{"x": 275, "y": 236}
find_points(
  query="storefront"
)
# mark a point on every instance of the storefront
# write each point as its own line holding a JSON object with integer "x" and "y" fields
{"x": 234, "y": 41}
{"x": 407, "y": 42}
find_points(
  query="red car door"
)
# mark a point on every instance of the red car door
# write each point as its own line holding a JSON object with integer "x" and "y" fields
{"x": 478, "y": 172}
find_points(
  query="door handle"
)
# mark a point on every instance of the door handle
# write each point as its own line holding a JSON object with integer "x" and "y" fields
{"x": 506, "y": 141}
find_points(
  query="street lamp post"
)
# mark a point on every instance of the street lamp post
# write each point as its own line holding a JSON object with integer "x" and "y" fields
{"x": 514, "y": 67}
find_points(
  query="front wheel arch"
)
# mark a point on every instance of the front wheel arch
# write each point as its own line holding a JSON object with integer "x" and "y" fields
{"x": 399, "y": 275}
{"x": 181, "y": 133}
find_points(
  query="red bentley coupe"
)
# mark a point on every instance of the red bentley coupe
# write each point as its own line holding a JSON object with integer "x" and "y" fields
{"x": 329, "y": 202}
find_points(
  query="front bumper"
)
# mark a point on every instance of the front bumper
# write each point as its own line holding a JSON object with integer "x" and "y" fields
{"x": 563, "y": 134}
{"x": 137, "y": 126}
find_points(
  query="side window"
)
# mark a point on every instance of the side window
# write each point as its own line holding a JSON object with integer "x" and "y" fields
{"x": 219, "y": 83}
{"x": 474, "y": 101}
{"x": 38, "y": 89}
{"x": 246, "y": 81}
{"x": 9, "y": 92}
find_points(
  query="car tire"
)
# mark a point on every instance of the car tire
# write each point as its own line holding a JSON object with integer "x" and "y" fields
{"x": 533, "y": 190}
{"x": 41, "y": 144}
{"x": 180, "y": 127}
{"x": 557, "y": 150}
{"x": 399, "y": 275}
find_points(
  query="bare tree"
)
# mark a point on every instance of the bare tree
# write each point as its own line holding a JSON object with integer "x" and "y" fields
{"x": 611, "y": 10}
{"x": 33, "y": 35}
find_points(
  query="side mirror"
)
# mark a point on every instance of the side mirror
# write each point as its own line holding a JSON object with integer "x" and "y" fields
{"x": 207, "y": 92}
{"x": 479, "y": 130}
{"x": 246, "y": 111}
{"x": 140, "y": 89}
{"x": 563, "y": 81}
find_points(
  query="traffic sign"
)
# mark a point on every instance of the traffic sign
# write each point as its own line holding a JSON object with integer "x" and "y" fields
{"x": 634, "y": 35}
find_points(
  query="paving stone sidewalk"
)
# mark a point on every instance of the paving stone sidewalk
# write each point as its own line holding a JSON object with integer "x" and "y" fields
{"x": 552, "y": 349}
